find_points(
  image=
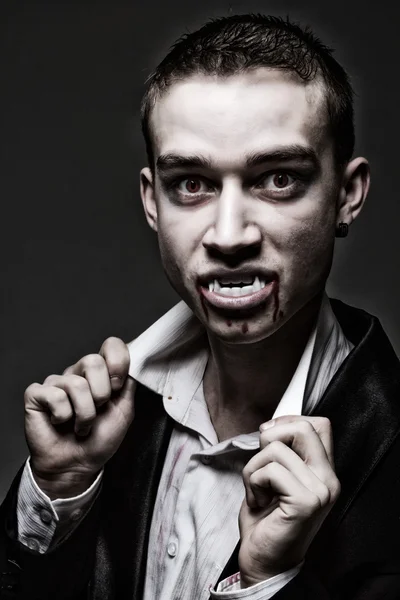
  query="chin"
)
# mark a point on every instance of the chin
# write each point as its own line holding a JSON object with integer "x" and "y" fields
{"x": 247, "y": 329}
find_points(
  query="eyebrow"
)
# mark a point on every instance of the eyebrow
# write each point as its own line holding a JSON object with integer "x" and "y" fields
{"x": 284, "y": 154}
{"x": 166, "y": 162}
{"x": 173, "y": 161}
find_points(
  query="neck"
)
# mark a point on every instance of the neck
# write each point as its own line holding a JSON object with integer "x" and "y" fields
{"x": 244, "y": 383}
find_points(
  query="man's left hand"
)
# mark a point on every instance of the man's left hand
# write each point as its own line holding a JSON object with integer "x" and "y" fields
{"x": 290, "y": 486}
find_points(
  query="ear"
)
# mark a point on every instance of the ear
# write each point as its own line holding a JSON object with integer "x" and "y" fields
{"x": 148, "y": 197}
{"x": 354, "y": 190}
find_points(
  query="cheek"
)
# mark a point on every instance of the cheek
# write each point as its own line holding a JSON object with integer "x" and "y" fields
{"x": 179, "y": 232}
{"x": 309, "y": 248}
{"x": 174, "y": 243}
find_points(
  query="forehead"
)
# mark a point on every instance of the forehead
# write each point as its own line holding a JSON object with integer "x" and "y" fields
{"x": 229, "y": 117}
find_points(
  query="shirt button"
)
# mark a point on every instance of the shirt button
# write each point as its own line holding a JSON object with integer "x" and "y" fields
{"x": 206, "y": 460}
{"x": 76, "y": 514}
{"x": 46, "y": 516}
{"x": 32, "y": 544}
{"x": 172, "y": 549}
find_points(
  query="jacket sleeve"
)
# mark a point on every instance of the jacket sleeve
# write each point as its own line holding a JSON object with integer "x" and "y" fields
{"x": 63, "y": 573}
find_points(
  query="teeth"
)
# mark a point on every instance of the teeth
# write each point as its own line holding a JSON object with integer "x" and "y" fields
{"x": 229, "y": 281}
{"x": 243, "y": 290}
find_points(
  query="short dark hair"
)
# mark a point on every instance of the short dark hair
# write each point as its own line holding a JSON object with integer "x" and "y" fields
{"x": 233, "y": 44}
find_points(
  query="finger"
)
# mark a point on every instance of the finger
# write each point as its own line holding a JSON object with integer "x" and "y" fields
{"x": 302, "y": 438}
{"x": 321, "y": 425}
{"x": 282, "y": 454}
{"x": 294, "y": 498}
{"x": 94, "y": 369}
{"x": 49, "y": 399}
{"x": 79, "y": 394}
{"x": 116, "y": 355}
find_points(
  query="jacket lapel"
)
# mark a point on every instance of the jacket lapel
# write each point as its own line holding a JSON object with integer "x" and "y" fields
{"x": 362, "y": 402}
{"x": 130, "y": 486}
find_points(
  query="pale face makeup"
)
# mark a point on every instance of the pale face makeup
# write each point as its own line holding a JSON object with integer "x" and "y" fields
{"x": 244, "y": 198}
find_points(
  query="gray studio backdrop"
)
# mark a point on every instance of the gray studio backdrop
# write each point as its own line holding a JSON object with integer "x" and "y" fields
{"x": 79, "y": 262}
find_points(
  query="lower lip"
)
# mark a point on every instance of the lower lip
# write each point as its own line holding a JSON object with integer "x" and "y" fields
{"x": 238, "y": 302}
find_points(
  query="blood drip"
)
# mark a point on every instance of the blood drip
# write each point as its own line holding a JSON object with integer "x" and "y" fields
{"x": 245, "y": 328}
{"x": 229, "y": 323}
{"x": 276, "y": 299}
{"x": 203, "y": 303}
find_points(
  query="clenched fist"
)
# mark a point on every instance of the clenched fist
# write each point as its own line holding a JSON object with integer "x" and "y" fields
{"x": 290, "y": 488}
{"x": 75, "y": 422}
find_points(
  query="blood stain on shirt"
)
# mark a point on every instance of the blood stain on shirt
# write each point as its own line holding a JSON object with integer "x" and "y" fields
{"x": 174, "y": 463}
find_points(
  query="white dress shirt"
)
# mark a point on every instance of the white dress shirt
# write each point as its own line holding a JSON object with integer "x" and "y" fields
{"x": 194, "y": 528}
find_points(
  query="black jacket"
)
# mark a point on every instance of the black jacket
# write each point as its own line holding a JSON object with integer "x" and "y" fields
{"x": 355, "y": 555}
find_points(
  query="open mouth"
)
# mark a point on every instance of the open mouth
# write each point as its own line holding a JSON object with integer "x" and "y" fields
{"x": 239, "y": 292}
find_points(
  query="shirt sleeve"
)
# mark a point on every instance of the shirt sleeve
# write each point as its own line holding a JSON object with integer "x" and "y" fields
{"x": 42, "y": 523}
{"x": 229, "y": 589}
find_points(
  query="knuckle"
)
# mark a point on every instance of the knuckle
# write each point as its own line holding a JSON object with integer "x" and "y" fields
{"x": 77, "y": 383}
{"x": 254, "y": 480}
{"x": 246, "y": 472}
{"x": 85, "y": 417}
{"x": 113, "y": 341}
{"x": 92, "y": 361}
{"x": 312, "y": 504}
{"x": 272, "y": 470}
{"x": 335, "y": 489}
{"x": 50, "y": 379}
{"x": 274, "y": 448}
{"x": 305, "y": 426}
{"x": 57, "y": 396}
{"x": 324, "y": 422}
{"x": 324, "y": 495}
{"x": 31, "y": 390}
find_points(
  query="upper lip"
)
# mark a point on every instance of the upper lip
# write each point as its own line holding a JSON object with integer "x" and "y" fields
{"x": 223, "y": 273}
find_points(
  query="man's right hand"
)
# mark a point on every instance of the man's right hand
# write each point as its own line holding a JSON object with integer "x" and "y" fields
{"x": 75, "y": 422}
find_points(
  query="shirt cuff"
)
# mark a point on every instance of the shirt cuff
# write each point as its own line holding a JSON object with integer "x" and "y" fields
{"x": 229, "y": 588}
{"x": 42, "y": 522}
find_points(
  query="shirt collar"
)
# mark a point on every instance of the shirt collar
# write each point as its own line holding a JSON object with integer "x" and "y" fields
{"x": 170, "y": 358}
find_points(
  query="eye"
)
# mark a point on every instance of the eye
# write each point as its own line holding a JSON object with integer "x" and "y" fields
{"x": 277, "y": 181}
{"x": 192, "y": 186}
{"x": 281, "y": 185}
{"x": 281, "y": 180}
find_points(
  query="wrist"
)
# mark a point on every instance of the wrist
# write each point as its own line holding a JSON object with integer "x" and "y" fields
{"x": 252, "y": 577}
{"x": 64, "y": 485}
{"x": 247, "y": 581}
{"x": 257, "y": 571}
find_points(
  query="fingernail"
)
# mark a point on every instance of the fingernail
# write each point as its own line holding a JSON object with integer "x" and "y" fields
{"x": 267, "y": 425}
{"x": 116, "y": 382}
{"x": 83, "y": 431}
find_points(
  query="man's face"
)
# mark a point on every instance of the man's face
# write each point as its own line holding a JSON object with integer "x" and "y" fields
{"x": 245, "y": 195}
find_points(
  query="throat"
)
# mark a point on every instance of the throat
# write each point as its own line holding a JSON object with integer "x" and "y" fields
{"x": 237, "y": 414}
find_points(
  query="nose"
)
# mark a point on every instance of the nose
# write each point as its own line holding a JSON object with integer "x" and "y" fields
{"x": 230, "y": 231}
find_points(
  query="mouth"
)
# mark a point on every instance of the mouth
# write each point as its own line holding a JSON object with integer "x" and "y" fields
{"x": 238, "y": 292}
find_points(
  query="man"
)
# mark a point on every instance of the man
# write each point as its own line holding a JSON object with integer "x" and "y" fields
{"x": 253, "y": 398}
